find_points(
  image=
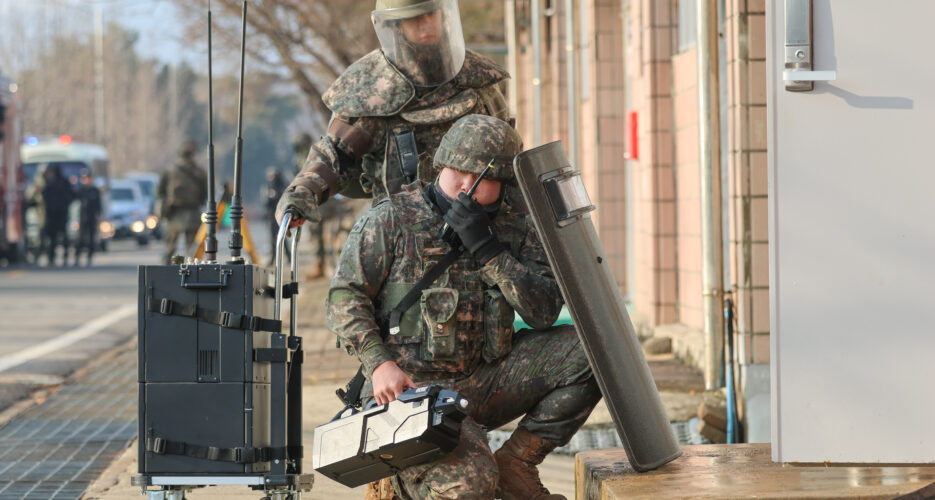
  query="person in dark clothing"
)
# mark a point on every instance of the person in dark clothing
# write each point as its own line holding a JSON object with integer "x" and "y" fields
{"x": 57, "y": 195}
{"x": 89, "y": 218}
{"x": 275, "y": 185}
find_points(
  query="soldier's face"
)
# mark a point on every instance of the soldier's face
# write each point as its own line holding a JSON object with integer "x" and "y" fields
{"x": 425, "y": 29}
{"x": 453, "y": 182}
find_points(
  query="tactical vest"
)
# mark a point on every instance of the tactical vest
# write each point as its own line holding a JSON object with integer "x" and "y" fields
{"x": 460, "y": 319}
{"x": 404, "y": 130}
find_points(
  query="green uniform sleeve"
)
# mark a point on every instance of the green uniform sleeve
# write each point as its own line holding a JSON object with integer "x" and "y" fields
{"x": 527, "y": 281}
{"x": 361, "y": 271}
{"x": 332, "y": 163}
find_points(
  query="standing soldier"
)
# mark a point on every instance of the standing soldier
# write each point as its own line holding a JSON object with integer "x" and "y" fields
{"x": 89, "y": 217}
{"x": 391, "y": 107}
{"x": 459, "y": 334}
{"x": 182, "y": 191}
{"x": 57, "y": 195}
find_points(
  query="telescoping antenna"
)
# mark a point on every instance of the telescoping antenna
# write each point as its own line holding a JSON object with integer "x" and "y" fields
{"x": 236, "y": 238}
{"x": 211, "y": 214}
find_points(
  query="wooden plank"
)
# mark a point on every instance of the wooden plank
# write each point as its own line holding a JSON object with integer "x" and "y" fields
{"x": 739, "y": 471}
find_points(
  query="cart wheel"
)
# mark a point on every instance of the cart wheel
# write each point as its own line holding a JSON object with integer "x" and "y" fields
{"x": 283, "y": 495}
{"x": 165, "y": 495}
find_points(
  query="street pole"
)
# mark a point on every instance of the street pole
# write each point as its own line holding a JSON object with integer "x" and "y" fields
{"x": 98, "y": 74}
{"x": 709, "y": 128}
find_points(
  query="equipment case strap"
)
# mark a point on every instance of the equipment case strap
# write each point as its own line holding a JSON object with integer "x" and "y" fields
{"x": 239, "y": 455}
{"x": 170, "y": 307}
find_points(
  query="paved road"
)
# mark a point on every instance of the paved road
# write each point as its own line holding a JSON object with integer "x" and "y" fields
{"x": 55, "y": 320}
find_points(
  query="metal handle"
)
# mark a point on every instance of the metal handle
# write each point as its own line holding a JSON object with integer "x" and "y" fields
{"x": 280, "y": 249}
{"x": 211, "y": 285}
{"x": 294, "y": 278}
{"x": 791, "y": 75}
{"x": 797, "y": 72}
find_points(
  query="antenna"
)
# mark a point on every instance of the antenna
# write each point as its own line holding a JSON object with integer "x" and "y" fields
{"x": 236, "y": 238}
{"x": 211, "y": 214}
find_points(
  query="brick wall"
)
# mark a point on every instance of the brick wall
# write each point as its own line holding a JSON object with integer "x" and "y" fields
{"x": 649, "y": 68}
{"x": 600, "y": 113}
{"x": 746, "y": 54}
{"x": 687, "y": 237}
{"x": 602, "y": 130}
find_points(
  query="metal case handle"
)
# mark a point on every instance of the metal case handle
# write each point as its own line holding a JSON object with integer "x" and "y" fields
{"x": 280, "y": 251}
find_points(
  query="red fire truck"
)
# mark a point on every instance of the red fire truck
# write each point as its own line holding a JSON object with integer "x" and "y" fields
{"x": 12, "y": 180}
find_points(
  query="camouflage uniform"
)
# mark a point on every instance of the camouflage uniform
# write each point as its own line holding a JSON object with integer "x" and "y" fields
{"x": 182, "y": 191}
{"x": 460, "y": 334}
{"x": 372, "y": 104}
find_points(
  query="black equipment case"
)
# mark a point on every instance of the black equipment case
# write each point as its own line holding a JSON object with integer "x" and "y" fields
{"x": 220, "y": 395}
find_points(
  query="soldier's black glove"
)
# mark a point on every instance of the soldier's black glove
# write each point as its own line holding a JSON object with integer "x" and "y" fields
{"x": 472, "y": 225}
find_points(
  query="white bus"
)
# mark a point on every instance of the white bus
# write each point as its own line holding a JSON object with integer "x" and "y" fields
{"x": 73, "y": 158}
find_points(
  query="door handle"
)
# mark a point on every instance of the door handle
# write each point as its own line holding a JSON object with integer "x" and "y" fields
{"x": 798, "y": 75}
{"x": 797, "y": 72}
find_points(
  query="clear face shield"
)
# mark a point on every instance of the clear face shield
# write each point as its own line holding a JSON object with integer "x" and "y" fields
{"x": 424, "y": 41}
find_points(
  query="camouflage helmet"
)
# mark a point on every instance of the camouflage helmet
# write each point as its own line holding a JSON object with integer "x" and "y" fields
{"x": 477, "y": 140}
{"x": 404, "y": 9}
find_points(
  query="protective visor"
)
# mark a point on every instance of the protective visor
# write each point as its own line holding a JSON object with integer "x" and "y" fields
{"x": 423, "y": 41}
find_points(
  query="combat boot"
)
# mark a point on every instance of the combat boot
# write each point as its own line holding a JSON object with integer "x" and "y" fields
{"x": 517, "y": 460}
{"x": 318, "y": 272}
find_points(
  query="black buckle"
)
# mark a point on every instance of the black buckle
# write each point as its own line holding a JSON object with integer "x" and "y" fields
{"x": 157, "y": 445}
{"x": 245, "y": 455}
{"x": 230, "y": 320}
{"x": 213, "y": 453}
{"x": 165, "y": 307}
{"x": 253, "y": 323}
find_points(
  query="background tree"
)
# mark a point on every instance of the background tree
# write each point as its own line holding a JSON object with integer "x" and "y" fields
{"x": 314, "y": 41}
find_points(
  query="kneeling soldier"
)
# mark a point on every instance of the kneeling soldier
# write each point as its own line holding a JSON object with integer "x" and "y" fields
{"x": 459, "y": 334}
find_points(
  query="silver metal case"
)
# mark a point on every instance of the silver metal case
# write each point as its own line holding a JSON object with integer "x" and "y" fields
{"x": 420, "y": 426}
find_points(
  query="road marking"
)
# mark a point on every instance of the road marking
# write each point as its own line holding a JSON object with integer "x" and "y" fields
{"x": 88, "y": 329}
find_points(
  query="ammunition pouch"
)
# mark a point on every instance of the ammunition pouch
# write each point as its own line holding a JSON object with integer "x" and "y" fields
{"x": 438, "y": 313}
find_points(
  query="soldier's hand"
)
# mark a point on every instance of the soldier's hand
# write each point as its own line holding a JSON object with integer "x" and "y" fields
{"x": 389, "y": 381}
{"x": 302, "y": 202}
{"x": 473, "y": 226}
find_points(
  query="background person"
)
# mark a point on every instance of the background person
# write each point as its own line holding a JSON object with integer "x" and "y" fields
{"x": 57, "y": 195}
{"x": 182, "y": 191}
{"x": 89, "y": 217}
